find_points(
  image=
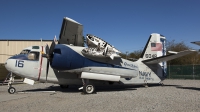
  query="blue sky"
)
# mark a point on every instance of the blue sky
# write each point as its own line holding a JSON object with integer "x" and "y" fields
{"x": 126, "y": 24}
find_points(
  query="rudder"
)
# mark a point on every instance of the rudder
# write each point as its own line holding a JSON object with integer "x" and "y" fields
{"x": 155, "y": 47}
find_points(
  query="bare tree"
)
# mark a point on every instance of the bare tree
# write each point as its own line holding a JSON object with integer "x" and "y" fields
{"x": 193, "y": 58}
{"x": 135, "y": 54}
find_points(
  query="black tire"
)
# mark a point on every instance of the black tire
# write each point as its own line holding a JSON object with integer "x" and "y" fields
{"x": 11, "y": 90}
{"x": 88, "y": 88}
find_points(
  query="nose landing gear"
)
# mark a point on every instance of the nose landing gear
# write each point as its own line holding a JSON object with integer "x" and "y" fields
{"x": 11, "y": 89}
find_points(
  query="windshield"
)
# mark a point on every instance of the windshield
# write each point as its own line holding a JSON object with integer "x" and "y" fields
{"x": 25, "y": 51}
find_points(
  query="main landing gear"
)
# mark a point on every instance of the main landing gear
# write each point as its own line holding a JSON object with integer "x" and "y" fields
{"x": 88, "y": 88}
{"x": 11, "y": 89}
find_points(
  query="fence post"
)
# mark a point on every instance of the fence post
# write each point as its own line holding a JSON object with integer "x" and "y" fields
{"x": 169, "y": 70}
{"x": 193, "y": 72}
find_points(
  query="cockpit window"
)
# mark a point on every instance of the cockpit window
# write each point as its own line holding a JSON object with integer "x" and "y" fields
{"x": 26, "y": 51}
{"x": 34, "y": 55}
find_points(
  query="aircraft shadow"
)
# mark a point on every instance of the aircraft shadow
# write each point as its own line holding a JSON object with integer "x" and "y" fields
{"x": 179, "y": 87}
{"x": 190, "y": 88}
{"x": 108, "y": 88}
{"x": 165, "y": 85}
{"x": 72, "y": 89}
{"x": 115, "y": 88}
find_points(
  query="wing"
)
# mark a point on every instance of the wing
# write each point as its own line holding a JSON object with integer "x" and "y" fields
{"x": 168, "y": 57}
{"x": 98, "y": 48}
{"x": 196, "y": 42}
{"x": 71, "y": 33}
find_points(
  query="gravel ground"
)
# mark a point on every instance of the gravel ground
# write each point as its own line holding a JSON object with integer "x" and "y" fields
{"x": 176, "y": 95}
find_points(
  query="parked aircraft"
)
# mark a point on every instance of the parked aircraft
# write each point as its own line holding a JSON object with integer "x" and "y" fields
{"x": 99, "y": 63}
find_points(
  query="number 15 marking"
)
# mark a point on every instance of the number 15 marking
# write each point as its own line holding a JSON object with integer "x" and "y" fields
{"x": 19, "y": 63}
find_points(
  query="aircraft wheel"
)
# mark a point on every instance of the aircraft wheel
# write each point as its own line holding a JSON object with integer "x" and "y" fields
{"x": 11, "y": 90}
{"x": 88, "y": 88}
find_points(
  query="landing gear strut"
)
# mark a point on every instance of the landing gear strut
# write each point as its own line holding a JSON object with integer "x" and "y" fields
{"x": 146, "y": 84}
{"x": 11, "y": 89}
{"x": 88, "y": 88}
{"x": 161, "y": 84}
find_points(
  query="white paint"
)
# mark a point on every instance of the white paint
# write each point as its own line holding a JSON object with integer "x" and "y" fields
{"x": 28, "y": 81}
{"x": 96, "y": 76}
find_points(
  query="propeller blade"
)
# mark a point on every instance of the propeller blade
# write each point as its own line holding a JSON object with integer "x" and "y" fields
{"x": 47, "y": 69}
{"x": 47, "y": 49}
{"x": 49, "y": 55}
{"x": 52, "y": 48}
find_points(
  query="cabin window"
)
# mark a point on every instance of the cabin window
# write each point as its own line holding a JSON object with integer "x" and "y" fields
{"x": 25, "y": 51}
{"x": 34, "y": 55}
{"x": 35, "y": 47}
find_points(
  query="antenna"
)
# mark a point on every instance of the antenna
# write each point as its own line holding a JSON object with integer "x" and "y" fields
{"x": 41, "y": 42}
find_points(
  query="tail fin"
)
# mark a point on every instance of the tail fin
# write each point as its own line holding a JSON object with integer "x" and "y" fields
{"x": 155, "y": 47}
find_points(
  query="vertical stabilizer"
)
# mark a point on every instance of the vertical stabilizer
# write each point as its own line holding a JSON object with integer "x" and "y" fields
{"x": 155, "y": 47}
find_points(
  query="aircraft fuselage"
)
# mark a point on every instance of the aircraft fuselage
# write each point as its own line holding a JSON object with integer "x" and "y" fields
{"x": 68, "y": 64}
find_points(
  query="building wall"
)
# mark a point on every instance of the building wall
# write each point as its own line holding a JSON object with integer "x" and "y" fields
{"x": 3, "y": 72}
{"x": 10, "y": 48}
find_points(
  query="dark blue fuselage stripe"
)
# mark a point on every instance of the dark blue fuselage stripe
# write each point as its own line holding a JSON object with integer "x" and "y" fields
{"x": 70, "y": 59}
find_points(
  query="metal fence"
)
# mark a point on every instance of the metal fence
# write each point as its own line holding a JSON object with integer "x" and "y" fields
{"x": 183, "y": 72}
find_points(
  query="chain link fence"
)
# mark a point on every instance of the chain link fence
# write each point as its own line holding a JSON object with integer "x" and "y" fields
{"x": 183, "y": 72}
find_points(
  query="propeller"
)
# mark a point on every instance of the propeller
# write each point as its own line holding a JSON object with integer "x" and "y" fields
{"x": 49, "y": 56}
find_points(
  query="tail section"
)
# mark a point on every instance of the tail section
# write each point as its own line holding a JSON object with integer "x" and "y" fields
{"x": 156, "y": 47}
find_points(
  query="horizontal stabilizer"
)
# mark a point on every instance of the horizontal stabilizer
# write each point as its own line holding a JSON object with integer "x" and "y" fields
{"x": 172, "y": 52}
{"x": 196, "y": 42}
{"x": 168, "y": 57}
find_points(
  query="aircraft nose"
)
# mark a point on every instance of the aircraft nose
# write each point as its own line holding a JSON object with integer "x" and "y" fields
{"x": 7, "y": 65}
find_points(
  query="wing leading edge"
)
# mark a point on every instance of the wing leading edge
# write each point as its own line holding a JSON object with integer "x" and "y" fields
{"x": 168, "y": 57}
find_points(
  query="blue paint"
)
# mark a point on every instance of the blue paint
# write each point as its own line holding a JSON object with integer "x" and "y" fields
{"x": 128, "y": 79}
{"x": 19, "y": 63}
{"x": 69, "y": 59}
{"x": 164, "y": 68}
{"x": 130, "y": 65}
{"x": 20, "y": 57}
